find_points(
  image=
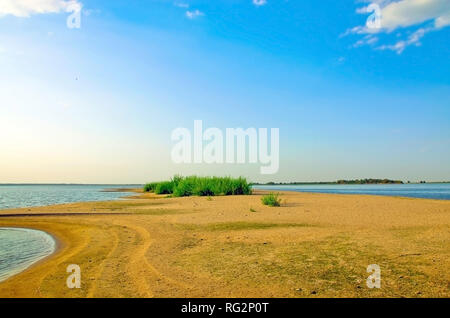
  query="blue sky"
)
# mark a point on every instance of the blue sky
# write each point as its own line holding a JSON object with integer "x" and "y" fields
{"x": 97, "y": 104}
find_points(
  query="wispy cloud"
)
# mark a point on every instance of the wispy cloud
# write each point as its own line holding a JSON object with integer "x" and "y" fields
{"x": 405, "y": 14}
{"x": 259, "y": 2}
{"x": 26, "y": 8}
{"x": 413, "y": 39}
{"x": 194, "y": 14}
{"x": 367, "y": 40}
{"x": 181, "y": 5}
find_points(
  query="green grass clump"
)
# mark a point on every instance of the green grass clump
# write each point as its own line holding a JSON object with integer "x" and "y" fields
{"x": 150, "y": 187}
{"x": 271, "y": 199}
{"x": 185, "y": 187}
{"x": 240, "y": 186}
{"x": 165, "y": 187}
{"x": 207, "y": 187}
{"x": 201, "y": 186}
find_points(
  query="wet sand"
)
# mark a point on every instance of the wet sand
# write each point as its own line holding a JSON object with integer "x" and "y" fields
{"x": 314, "y": 245}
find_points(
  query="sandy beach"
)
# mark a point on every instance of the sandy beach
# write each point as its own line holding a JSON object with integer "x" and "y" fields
{"x": 314, "y": 245}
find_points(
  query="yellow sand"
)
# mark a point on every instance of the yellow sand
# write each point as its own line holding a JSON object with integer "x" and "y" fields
{"x": 315, "y": 245}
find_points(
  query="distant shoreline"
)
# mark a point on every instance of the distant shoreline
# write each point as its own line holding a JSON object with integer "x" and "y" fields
{"x": 138, "y": 185}
{"x": 335, "y": 183}
{"x": 436, "y": 191}
{"x": 76, "y": 184}
{"x": 347, "y": 183}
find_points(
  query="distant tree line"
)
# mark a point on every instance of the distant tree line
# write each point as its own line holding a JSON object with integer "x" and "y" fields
{"x": 369, "y": 181}
{"x": 356, "y": 181}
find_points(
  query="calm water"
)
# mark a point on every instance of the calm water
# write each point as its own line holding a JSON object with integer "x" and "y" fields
{"x": 20, "y": 248}
{"x": 19, "y": 196}
{"x": 439, "y": 191}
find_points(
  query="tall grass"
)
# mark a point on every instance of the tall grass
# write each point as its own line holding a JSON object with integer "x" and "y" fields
{"x": 200, "y": 186}
{"x": 165, "y": 187}
{"x": 150, "y": 187}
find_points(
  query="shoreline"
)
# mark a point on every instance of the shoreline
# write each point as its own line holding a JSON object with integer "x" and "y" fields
{"x": 339, "y": 187}
{"x": 128, "y": 240}
{"x": 25, "y": 196}
{"x": 355, "y": 194}
{"x": 138, "y": 193}
{"x": 57, "y": 248}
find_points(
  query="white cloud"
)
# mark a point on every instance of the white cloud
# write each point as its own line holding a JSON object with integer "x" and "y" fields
{"x": 194, "y": 14}
{"x": 406, "y": 13}
{"x": 413, "y": 39}
{"x": 181, "y": 5}
{"x": 25, "y": 8}
{"x": 442, "y": 21}
{"x": 402, "y": 14}
{"x": 259, "y": 2}
{"x": 367, "y": 40}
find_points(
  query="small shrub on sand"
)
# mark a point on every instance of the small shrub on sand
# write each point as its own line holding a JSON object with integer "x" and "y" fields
{"x": 271, "y": 199}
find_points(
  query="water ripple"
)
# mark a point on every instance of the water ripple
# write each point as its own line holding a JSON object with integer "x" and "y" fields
{"x": 21, "y": 248}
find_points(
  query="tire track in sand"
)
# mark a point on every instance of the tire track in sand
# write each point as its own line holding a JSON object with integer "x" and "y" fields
{"x": 138, "y": 259}
{"x": 93, "y": 288}
{"x": 64, "y": 257}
